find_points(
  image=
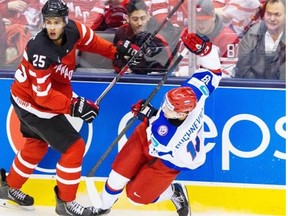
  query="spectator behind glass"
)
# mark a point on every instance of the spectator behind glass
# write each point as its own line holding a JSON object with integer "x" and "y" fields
{"x": 23, "y": 12}
{"x": 209, "y": 23}
{"x": 19, "y": 18}
{"x": 262, "y": 50}
{"x": 238, "y": 14}
{"x": 235, "y": 13}
{"x": 160, "y": 8}
{"x": 112, "y": 15}
{"x": 137, "y": 29}
{"x": 3, "y": 42}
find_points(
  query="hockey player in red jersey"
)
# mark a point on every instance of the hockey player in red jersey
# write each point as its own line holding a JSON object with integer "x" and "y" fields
{"x": 168, "y": 141}
{"x": 41, "y": 94}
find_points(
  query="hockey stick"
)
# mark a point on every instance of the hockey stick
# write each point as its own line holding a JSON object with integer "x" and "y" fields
{"x": 143, "y": 47}
{"x": 92, "y": 192}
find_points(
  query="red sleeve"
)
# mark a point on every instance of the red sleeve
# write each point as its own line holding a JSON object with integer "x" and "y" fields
{"x": 90, "y": 42}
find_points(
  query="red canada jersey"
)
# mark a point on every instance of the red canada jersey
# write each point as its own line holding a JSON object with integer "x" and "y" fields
{"x": 159, "y": 9}
{"x": 85, "y": 11}
{"x": 42, "y": 82}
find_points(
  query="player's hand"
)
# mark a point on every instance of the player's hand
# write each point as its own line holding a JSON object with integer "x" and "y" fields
{"x": 127, "y": 50}
{"x": 151, "y": 49}
{"x": 142, "y": 113}
{"x": 85, "y": 109}
{"x": 196, "y": 44}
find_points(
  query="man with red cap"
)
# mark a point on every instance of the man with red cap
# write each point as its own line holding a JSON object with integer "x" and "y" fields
{"x": 167, "y": 141}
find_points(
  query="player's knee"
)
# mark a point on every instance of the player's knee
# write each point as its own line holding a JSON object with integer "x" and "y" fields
{"x": 75, "y": 152}
{"x": 32, "y": 146}
{"x": 78, "y": 146}
{"x": 42, "y": 150}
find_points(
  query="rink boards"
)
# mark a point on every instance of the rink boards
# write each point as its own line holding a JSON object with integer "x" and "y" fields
{"x": 245, "y": 130}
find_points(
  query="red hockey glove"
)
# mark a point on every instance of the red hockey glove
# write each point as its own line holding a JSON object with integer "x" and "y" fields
{"x": 143, "y": 114}
{"x": 196, "y": 44}
{"x": 125, "y": 50}
{"x": 85, "y": 109}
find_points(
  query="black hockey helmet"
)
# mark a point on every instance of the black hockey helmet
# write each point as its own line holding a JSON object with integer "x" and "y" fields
{"x": 55, "y": 8}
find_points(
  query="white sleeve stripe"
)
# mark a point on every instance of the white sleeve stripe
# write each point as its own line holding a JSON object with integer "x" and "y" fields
{"x": 25, "y": 56}
{"x": 98, "y": 10}
{"x": 160, "y": 11}
{"x": 41, "y": 93}
{"x": 25, "y": 163}
{"x": 91, "y": 37}
{"x": 68, "y": 170}
{"x": 67, "y": 182}
{"x": 158, "y": 1}
{"x": 84, "y": 30}
{"x": 23, "y": 69}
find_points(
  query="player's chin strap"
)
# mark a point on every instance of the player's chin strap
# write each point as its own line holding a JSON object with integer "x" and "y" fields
{"x": 92, "y": 192}
{"x": 143, "y": 47}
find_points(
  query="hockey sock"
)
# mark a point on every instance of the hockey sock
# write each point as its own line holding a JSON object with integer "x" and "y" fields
{"x": 166, "y": 195}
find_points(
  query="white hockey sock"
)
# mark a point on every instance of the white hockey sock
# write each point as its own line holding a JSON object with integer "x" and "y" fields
{"x": 109, "y": 198}
{"x": 113, "y": 189}
{"x": 166, "y": 195}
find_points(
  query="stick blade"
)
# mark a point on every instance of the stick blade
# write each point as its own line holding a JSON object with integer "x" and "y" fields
{"x": 92, "y": 192}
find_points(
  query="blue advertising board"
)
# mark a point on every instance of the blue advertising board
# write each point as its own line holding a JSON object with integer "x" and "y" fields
{"x": 244, "y": 128}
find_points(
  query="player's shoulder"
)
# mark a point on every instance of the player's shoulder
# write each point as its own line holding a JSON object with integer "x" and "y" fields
{"x": 73, "y": 28}
{"x": 39, "y": 43}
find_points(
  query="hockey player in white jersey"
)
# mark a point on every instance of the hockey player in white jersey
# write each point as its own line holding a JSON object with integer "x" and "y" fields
{"x": 168, "y": 140}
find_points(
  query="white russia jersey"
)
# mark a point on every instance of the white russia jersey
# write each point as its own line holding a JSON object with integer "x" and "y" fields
{"x": 182, "y": 147}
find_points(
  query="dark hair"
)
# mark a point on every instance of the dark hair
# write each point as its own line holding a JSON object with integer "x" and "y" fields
{"x": 274, "y": 1}
{"x": 134, "y": 5}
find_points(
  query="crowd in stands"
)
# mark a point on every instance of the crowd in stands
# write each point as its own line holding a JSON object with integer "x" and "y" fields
{"x": 250, "y": 34}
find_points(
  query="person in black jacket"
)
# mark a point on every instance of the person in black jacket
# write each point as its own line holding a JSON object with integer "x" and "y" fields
{"x": 262, "y": 50}
{"x": 138, "y": 28}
